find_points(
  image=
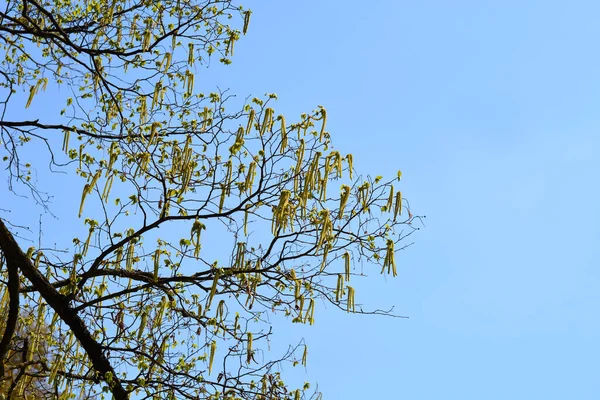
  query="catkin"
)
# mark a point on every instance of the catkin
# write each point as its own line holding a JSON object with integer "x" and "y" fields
{"x": 345, "y": 195}
{"x": 246, "y": 21}
{"x": 398, "y": 208}
{"x": 350, "y": 303}
{"x": 211, "y": 359}
{"x": 390, "y": 201}
{"x": 284, "y": 139}
{"x": 304, "y": 355}
{"x": 299, "y": 157}
{"x": 213, "y": 290}
{"x": 142, "y": 326}
{"x": 346, "y": 257}
{"x": 156, "y": 264}
{"x": 324, "y": 118}
{"x": 249, "y": 353}
{"x": 389, "y": 261}
{"x": 250, "y": 120}
{"x": 66, "y": 141}
{"x": 350, "y": 167}
{"x": 191, "y": 54}
{"x": 339, "y": 290}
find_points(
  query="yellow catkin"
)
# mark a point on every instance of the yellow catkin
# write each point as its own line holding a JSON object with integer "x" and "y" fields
{"x": 398, "y": 207}
{"x": 390, "y": 202}
{"x": 310, "y": 312}
{"x": 324, "y": 123}
{"x": 324, "y": 261}
{"x": 246, "y": 219}
{"x": 38, "y": 258}
{"x": 155, "y": 95}
{"x": 107, "y": 187}
{"x": 284, "y": 139}
{"x": 300, "y": 310}
{"x": 363, "y": 196}
{"x": 32, "y": 91}
{"x": 312, "y": 176}
{"x": 34, "y": 338}
{"x": 326, "y": 228}
{"x": 236, "y": 323}
{"x": 299, "y": 157}
{"x": 114, "y": 154}
{"x": 339, "y": 290}
{"x": 191, "y": 54}
{"x": 250, "y": 120}
{"x": 228, "y": 177}
{"x": 160, "y": 313}
{"x": 239, "y": 142}
{"x": 350, "y": 166}
{"x": 222, "y": 198}
{"x": 281, "y": 213}
{"x": 323, "y": 182}
{"x": 153, "y": 132}
{"x": 231, "y": 43}
{"x": 211, "y": 359}
{"x": 264, "y": 387}
{"x": 250, "y": 177}
{"x": 143, "y": 110}
{"x": 350, "y": 302}
{"x": 189, "y": 83}
{"x": 346, "y": 257}
{"x": 335, "y": 160}
{"x": 297, "y": 290}
{"x": 344, "y": 196}
{"x": 142, "y": 326}
{"x": 246, "y": 21}
{"x": 87, "y": 189}
{"x": 240, "y": 256}
{"x": 86, "y": 245}
{"x": 118, "y": 257}
{"x": 156, "y": 264}
{"x": 213, "y": 290}
{"x": 304, "y": 355}
{"x": 163, "y": 349}
{"x": 66, "y": 141}
{"x": 389, "y": 261}
{"x": 197, "y": 228}
{"x": 55, "y": 367}
{"x": 166, "y": 63}
{"x": 220, "y": 314}
{"x": 267, "y": 121}
{"x": 130, "y": 255}
{"x": 146, "y": 39}
{"x": 83, "y": 196}
{"x": 249, "y": 353}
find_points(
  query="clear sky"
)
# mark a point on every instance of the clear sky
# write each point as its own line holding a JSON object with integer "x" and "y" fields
{"x": 492, "y": 111}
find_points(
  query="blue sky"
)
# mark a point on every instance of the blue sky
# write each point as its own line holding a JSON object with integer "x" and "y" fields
{"x": 490, "y": 109}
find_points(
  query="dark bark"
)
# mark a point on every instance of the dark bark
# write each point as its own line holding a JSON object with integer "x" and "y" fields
{"x": 15, "y": 257}
{"x": 13, "y": 310}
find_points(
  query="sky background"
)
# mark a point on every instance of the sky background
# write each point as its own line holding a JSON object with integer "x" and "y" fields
{"x": 490, "y": 109}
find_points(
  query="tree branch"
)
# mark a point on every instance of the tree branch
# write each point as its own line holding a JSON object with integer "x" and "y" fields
{"x": 13, "y": 308}
{"x": 15, "y": 257}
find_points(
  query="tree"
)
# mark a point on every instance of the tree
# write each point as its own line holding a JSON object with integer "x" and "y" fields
{"x": 201, "y": 221}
